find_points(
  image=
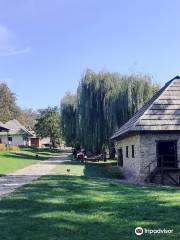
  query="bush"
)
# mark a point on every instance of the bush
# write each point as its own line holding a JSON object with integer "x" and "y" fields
{"x": 13, "y": 148}
{"x": 4, "y": 147}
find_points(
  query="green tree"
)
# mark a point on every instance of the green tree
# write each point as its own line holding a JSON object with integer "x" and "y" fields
{"x": 8, "y": 107}
{"x": 104, "y": 101}
{"x": 10, "y": 110}
{"x": 27, "y": 117}
{"x": 48, "y": 124}
{"x": 69, "y": 118}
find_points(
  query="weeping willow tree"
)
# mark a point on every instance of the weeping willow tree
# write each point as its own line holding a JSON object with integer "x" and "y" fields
{"x": 69, "y": 118}
{"x": 105, "y": 101}
{"x": 91, "y": 94}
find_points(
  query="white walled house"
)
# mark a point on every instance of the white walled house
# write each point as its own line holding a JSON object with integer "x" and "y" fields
{"x": 148, "y": 145}
{"x": 17, "y": 135}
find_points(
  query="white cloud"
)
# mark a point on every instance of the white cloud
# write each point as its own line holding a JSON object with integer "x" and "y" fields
{"x": 7, "y": 43}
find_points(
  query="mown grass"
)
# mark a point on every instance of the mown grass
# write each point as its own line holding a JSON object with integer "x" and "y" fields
{"x": 75, "y": 206}
{"x": 79, "y": 208}
{"x": 90, "y": 169}
{"x": 12, "y": 161}
{"x": 42, "y": 151}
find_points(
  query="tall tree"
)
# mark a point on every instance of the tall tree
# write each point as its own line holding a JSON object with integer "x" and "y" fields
{"x": 104, "y": 102}
{"x": 8, "y": 107}
{"x": 69, "y": 118}
{"x": 48, "y": 124}
{"x": 27, "y": 117}
{"x": 10, "y": 110}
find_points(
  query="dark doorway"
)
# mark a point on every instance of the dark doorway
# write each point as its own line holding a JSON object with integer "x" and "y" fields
{"x": 167, "y": 154}
{"x": 120, "y": 157}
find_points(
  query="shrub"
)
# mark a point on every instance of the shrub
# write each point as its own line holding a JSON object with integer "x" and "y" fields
{"x": 2, "y": 147}
{"x": 13, "y": 148}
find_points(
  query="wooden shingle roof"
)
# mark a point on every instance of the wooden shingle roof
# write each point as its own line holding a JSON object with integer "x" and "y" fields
{"x": 160, "y": 113}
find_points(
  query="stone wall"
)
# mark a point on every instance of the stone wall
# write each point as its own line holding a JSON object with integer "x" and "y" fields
{"x": 148, "y": 150}
{"x": 131, "y": 166}
{"x": 145, "y": 153}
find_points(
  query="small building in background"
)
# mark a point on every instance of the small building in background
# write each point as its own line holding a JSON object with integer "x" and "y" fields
{"x": 17, "y": 134}
{"x": 36, "y": 142}
{"x": 3, "y": 129}
{"x": 40, "y": 142}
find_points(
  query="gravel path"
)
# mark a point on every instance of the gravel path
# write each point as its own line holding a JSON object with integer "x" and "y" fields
{"x": 11, "y": 182}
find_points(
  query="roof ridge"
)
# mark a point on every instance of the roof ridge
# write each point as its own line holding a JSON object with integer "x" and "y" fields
{"x": 15, "y": 124}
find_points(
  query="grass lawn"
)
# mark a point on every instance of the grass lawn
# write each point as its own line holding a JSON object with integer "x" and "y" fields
{"x": 81, "y": 208}
{"x": 47, "y": 152}
{"x": 12, "y": 161}
{"x": 93, "y": 170}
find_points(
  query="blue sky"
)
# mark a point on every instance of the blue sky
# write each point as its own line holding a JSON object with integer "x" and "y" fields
{"x": 45, "y": 45}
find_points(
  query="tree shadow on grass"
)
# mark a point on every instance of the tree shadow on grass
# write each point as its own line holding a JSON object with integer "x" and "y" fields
{"x": 95, "y": 170}
{"x": 24, "y": 156}
{"x": 46, "y": 151}
{"x": 103, "y": 170}
{"x": 65, "y": 208}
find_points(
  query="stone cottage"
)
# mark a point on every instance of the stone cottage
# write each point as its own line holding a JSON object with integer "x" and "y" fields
{"x": 149, "y": 143}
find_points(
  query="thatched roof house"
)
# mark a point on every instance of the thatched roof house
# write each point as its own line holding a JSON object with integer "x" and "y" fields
{"x": 151, "y": 138}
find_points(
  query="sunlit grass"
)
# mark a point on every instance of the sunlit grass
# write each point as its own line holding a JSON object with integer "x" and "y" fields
{"x": 78, "y": 208}
{"x": 90, "y": 169}
{"x": 10, "y": 162}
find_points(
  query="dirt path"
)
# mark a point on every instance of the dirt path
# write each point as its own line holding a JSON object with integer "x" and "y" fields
{"x": 11, "y": 182}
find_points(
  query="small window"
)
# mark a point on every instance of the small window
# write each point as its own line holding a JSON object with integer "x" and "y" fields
{"x": 9, "y": 140}
{"x": 132, "y": 148}
{"x": 127, "y": 151}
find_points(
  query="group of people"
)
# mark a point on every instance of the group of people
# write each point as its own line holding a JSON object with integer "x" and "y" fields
{"x": 82, "y": 155}
{"x": 79, "y": 154}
